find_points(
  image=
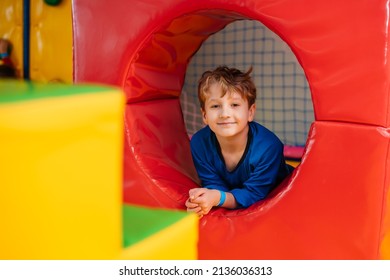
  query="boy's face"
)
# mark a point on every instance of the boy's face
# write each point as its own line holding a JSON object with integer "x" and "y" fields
{"x": 229, "y": 115}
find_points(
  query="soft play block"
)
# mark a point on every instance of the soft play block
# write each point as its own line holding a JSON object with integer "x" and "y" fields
{"x": 150, "y": 234}
{"x": 60, "y": 171}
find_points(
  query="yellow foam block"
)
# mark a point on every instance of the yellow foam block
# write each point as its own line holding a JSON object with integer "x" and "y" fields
{"x": 60, "y": 175}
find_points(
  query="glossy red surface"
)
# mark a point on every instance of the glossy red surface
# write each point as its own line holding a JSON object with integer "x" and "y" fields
{"x": 336, "y": 205}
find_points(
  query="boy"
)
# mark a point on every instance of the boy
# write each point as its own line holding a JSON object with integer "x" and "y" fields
{"x": 238, "y": 161}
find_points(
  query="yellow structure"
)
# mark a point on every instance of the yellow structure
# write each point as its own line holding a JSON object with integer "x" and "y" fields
{"x": 61, "y": 180}
{"x": 51, "y": 42}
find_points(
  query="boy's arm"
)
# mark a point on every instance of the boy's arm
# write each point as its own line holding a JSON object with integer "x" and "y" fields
{"x": 263, "y": 179}
{"x": 230, "y": 202}
{"x": 207, "y": 172}
{"x": 213, "y": 186}
{"x": 208, "y": 198}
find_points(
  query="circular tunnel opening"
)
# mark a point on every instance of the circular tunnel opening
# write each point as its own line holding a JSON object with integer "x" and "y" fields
{"x": 157, "y": 124}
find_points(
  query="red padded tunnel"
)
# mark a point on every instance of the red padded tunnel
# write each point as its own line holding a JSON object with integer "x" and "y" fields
{"x": 336, "y": 204}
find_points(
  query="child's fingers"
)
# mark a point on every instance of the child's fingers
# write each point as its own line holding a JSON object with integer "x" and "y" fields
{"x": 195, "y": 193}
{"x": 196, "y": 200}
{"x": 197, "y": 210}
{"x": 192, "y": 194}
{"x": 190, "y": 204}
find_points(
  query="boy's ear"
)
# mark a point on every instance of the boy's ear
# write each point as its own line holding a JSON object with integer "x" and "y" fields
{"x": 252, "y": 112}
{"x": 203, "y": 115}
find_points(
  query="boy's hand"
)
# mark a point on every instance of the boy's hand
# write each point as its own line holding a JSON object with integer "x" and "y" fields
{"x": 193, "y": 207}
{"x": 203, "y": 198}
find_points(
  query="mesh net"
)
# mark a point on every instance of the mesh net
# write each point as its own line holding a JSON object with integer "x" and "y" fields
{"x": 283, "y": 103}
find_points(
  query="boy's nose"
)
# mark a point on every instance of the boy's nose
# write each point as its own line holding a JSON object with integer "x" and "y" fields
{"x": 225, "y": 112}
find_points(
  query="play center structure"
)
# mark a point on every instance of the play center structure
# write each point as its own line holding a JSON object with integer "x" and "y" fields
{"x": 95, "y": 157}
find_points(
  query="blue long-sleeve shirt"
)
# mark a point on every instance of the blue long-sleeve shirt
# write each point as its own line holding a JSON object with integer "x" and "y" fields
{"x": 261, "y": 168}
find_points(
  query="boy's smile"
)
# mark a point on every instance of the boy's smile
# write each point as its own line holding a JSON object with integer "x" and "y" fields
{"x": 226, "y": 123}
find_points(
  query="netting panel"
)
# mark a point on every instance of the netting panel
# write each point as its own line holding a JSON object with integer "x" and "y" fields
{"x": 283, "y": 103}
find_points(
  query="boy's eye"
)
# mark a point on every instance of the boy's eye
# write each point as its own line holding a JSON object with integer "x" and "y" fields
{"x": 214, "y": 106}
{"x": 235, "y": 105}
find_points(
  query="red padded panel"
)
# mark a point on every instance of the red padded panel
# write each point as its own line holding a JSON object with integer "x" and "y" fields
{"x": 158, "y": 165}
